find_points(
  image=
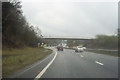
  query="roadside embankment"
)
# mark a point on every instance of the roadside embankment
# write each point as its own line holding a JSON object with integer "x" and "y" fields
{"x": 105, "y": 52}
{"x": 15, "y": 59}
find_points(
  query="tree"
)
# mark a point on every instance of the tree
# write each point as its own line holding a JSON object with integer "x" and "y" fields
{"x": 16, "y": 31}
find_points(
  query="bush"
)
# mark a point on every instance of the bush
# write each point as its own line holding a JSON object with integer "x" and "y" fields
{"x": 104, "y": 41}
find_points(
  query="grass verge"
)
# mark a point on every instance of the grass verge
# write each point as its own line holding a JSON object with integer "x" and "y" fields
{"x": 26, "y": 50}
{"x": 111, "y": 53}
{"x": 13, "y": 63}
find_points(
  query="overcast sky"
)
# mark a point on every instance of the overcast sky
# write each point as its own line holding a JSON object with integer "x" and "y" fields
{"x": 72, "y": 18}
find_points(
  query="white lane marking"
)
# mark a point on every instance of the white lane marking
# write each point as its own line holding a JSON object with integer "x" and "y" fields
{"x": 99, "y": 63}
{"x": 43, "y": 71}
{"x": 81, "y": 55}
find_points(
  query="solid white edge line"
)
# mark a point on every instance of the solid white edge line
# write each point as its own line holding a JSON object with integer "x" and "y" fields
{"x": 99, "y": 63}
{"x": 43, "y": 71}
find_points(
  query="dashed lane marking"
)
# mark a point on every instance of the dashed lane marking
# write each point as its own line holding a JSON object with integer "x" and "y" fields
{"x": 81, "y": 55}
{"x": 99, "y": 63}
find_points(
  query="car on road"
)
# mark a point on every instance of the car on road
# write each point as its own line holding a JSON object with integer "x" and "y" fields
{"x": 84, "y": 48}
{"x": 79, "y": 49}
{"x": 60, "y": 48}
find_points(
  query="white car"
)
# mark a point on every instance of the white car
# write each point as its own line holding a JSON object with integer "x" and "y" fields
{"x": 79, "y": 49}
{"x": 84, "y": 48}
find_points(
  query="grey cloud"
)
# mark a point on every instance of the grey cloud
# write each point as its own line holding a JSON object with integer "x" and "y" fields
{"x": 73, "y": 19}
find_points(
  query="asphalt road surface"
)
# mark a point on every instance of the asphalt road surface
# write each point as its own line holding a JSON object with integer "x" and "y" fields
{"x": 69, "y": 64}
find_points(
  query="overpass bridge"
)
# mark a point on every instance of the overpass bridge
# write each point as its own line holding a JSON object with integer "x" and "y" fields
{"x": 74, "y": 40}
{"x": 68, "y": 38}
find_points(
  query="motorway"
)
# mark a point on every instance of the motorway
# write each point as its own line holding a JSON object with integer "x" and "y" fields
{"x": 69, "y": 64}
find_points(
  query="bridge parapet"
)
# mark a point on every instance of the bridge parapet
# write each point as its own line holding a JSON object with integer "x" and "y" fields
{"x": 68, "y": 38}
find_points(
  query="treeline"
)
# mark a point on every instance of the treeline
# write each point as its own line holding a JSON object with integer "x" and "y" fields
{"x": 99, "y": 42}
{"x": 105, "y": 42}
{"x": 16, "y": 31}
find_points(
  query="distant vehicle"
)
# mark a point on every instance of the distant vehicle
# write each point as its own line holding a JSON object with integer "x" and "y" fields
{"x": 79, "y": 49}
{"x": 60, "y": 47}
{"x": 84, "y": 48}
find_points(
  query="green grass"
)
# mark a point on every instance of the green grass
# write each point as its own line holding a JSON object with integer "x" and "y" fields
{"x": 13, "y": 64}
{"x": 111, "y": 53}
{"x": 26, "y": 50}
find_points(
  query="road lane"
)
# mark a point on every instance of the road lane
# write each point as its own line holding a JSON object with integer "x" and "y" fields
{"x": 110, "y": 62}
{"x": 69, "y": 64}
